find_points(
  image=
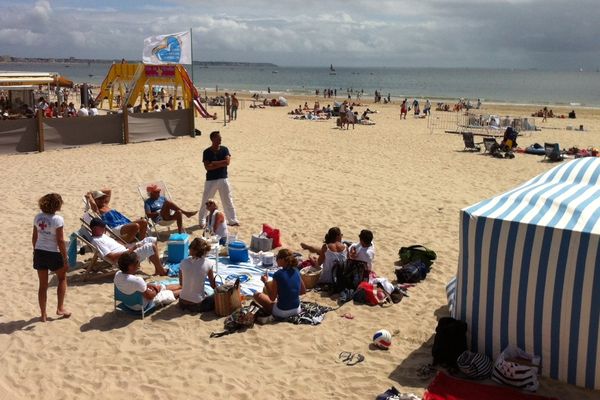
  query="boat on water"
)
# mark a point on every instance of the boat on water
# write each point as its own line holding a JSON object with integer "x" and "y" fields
{"x": 331, "y": 70}
{"x": 275, "y": 71}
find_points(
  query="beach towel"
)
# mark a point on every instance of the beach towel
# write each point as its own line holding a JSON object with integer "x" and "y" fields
{"x": 444, "y": 387}
{"x": 249, "y": 275}
{"x": 310, "y": 314}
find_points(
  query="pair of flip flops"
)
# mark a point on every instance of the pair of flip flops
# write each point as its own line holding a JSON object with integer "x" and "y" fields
{"x": 350, "y": 359}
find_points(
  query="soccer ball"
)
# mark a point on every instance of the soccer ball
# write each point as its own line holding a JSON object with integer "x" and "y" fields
{"x": 382, "y": 339}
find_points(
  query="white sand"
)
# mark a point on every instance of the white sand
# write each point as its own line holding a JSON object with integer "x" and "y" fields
{"x": 303, "y": 177}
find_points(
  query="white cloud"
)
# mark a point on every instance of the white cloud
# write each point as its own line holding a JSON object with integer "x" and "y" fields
{"x": 360, "y": 32}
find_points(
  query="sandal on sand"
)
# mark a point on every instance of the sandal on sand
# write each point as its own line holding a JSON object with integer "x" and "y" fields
{"x": 344, "y": 357}
{"x": 347, "y": 315}
{"x": 355, "y": 359}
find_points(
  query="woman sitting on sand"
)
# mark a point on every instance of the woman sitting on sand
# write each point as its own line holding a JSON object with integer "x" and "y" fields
{"x": 192, "y": 274}
{"x": 285, "y": 289}
{"x": 332, "y": 252}
{"x": 99, "y": 203}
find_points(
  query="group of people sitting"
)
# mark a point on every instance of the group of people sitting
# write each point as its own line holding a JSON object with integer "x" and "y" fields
{"x": 134, "y": 232}
{"x": 282, "y": 299}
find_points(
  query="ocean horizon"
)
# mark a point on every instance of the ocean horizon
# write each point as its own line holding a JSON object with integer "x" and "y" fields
{"x": 515, "y": 86}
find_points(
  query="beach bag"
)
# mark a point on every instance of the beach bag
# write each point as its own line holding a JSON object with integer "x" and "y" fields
{"x": 413, "y": 272}
{"x": 450, "y": 341}
{"x": 240, "y": 319}
{"x": 227, "y": 298}
{"x": 373, "y": 295}
{"x": 474, "y": 365}
{"x": 416, "y": 252}
{"x": 517, "y": 368}
{"x": 272, "y": 233}
{"x": 349, "y": 275}
{"x": 261, "y": 243}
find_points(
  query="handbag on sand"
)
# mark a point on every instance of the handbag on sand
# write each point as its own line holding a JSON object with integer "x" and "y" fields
{"x": 227, "y": 298}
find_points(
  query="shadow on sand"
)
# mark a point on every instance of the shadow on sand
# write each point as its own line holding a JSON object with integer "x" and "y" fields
{"x": 406, "y": 373}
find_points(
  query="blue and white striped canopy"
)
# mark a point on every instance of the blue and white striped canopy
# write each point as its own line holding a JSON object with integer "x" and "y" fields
{"x": 529, "y": 271}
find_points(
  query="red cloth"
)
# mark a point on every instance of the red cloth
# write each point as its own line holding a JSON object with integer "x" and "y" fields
{"x": 444, "y": 387}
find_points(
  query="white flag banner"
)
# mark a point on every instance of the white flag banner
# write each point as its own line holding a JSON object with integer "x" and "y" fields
{"x": 173, "y": 48}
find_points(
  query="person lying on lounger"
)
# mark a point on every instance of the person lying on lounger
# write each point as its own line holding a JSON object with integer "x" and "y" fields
{"x": 99, "y": 202}
{"x": 129, "y": 283}
{"x": 283, "y": 300}
{"x": 159, "y": 208}
{"x": 111, "y": 250}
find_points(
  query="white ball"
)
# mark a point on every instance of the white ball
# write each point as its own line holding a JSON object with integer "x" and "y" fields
{"x": 382, "y": 339}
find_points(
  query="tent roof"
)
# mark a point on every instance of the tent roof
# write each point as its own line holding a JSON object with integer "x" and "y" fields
{"x": 11, "y": 78}
{"x": 566, "y": 197}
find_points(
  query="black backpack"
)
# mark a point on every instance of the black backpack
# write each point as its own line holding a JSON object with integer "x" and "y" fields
{"x": 450, "y": 341}
{"x": 413, "y": 272}
{"x": 348, "y": 275}
{"x": 416, "y": 252}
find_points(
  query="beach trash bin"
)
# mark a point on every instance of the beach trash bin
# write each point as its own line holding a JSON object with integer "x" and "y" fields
{"x": 238, "y": 252}
{"x": 178, "y": 247}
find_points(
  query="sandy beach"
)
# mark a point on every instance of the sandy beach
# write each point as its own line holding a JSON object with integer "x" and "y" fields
{"x": 395, "y": 178}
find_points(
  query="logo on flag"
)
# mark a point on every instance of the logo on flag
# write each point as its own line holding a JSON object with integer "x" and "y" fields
{"x": 173, "y": 48}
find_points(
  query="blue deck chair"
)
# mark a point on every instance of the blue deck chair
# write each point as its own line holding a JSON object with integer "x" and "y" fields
{"x": 131, "y": 300}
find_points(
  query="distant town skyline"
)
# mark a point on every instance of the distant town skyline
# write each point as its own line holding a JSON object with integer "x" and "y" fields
{"x": 549, "y": 34}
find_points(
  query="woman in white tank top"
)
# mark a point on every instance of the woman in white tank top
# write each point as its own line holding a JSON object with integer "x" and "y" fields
{"x": 332, "y": 251}
{"x": 216, "y": 223}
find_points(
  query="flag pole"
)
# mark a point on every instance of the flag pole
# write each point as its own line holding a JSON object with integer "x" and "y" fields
{"x": 192, "y": 54}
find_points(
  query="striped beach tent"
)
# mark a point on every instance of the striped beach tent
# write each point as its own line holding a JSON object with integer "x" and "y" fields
{"x": 529, "y": 272}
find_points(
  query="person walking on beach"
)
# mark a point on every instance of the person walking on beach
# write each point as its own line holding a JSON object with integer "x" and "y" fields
{"x": 228, "y": 107}
{"x": 403, "y": 109}
{"x": 216, "y": 158}
{"x": 545, "y": 113}
{"x": 235, "y": 103}
{"x": 49, "y": 252}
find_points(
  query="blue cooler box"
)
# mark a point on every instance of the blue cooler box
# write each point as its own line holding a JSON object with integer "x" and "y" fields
{"x": 178, "y": 247}
{"x": 238, "y": 252}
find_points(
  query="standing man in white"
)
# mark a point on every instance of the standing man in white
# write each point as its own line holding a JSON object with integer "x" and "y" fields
{"x": 216, "y": 158}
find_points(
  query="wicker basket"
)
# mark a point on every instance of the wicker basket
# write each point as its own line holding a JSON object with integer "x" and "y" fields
{"x": 310, "y": 276}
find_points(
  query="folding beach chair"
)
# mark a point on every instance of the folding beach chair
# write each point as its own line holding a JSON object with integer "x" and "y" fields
{"x": 97, "y": 267}
{"x": 489, "y": 143}
{"x": 469, "y": 141}
{"x": 127, "y": 302}
{"x": 164, "y": 191}
{"x": 552, "y": 152}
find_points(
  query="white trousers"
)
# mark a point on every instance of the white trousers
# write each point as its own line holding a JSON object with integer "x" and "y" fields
{"x": 210, "y": 189}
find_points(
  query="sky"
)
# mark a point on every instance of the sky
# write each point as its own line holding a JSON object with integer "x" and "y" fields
{"x": 544, "y": 34}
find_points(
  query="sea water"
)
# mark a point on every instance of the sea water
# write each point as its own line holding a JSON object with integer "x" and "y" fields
{"x": 576, "y": 88}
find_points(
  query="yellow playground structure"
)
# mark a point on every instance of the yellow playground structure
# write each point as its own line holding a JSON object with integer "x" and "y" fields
{"x": 129, "y": 81}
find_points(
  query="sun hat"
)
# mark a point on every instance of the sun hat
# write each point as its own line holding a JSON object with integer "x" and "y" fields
{"x": 96, "y": 194}
{"x": 153, "y": 188}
